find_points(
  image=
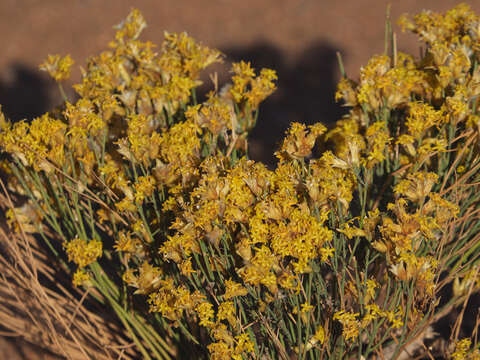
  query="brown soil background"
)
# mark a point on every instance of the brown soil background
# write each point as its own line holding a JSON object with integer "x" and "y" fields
{"x": 299, "y": 39}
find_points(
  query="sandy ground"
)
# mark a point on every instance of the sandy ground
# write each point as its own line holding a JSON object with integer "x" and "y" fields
{"x": 297, "y": 38}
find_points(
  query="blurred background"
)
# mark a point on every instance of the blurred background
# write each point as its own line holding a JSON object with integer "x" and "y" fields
{"x": 297, "y": 38}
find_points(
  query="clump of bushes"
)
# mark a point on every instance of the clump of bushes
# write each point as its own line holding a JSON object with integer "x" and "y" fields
{"x": 346, "y": 249}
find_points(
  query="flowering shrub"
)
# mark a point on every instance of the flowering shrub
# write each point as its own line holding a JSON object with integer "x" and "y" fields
{"x": 342, "y": 251}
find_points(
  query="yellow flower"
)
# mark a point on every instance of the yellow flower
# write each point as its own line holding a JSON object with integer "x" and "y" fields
{"x": 83, "y": 252}
{"x": 58, "y": 67}
{"x": 172, "y": 301}
{"x": 351, "y": 326}
{"x": 144, "y": 187}
{"x": 320, "y": 334}
{"x": 351, "y": 231}
{"x": 378, "y": 140}
{"x": 131, "y": 27}
{"x": 326, "y": 253}
{"x": 126, "y": 205}
{"x": 384, "y": 82}
{"x": 186, "y": 267}
{"x": 396, "y": 320}
{"x": 371, "y": 286}
{"x": 149, "y": 278}
{"x": 346, "y": 91}
{"x": 328, "y": 183}
{"x": 234, "y": 289}
{"x": 416, "y": 186}
{"x": 244, "y": 344}
{"x": 306, "y": 307}
{"x": 126, "y": 243}
{"x": 39, "y": 144}
{"x": 422, "y": 269}
{"x": 205, "y": 313}
{"x": 247, "y": 87}
{"x": 226, "y": 311}
{"x": 462, "y": 348}
{"x": 432, "y": 146}
{"x": 81, "y": 278}
{"x": 422, "y": 117}
{"x": 220, "y": 351}
{"x": 434, "y": 27}
{"x": 299, "y": 142}
{"x": 181, "y": 51}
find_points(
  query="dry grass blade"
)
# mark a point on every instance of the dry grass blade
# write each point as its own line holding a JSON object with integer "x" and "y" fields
{"x": 36, "y": 306}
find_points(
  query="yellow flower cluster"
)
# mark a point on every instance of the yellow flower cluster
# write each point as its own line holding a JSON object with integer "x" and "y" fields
{"x": 456, "y": 25}
{"x": 330, "y": 181}
{"x": 463, "y": 352}
{"x": 298, "y": 143}
{"x": 81, "y": 278}
{"x": 405, "y": 233}
{"x": 251, "y": 88}
{"x": 387, "y": 82}
{"x": 58, "y": 67}
{"x": 83, "y": 252}
{"x": 352, "y": 228}
{"x": 229, "y": 347}
{"x": 172, "y": 301}
{"x": 37, "y": 144}
{"x": 216, "y": 114}
{"x": 350, "y": 323}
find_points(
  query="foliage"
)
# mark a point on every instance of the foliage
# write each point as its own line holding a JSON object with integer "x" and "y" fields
{"x": 344, "y": 250}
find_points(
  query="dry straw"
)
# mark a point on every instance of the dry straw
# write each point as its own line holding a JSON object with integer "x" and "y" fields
{"x": 46, "y": 311}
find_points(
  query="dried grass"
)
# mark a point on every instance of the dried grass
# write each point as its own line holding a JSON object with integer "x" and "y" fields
{"x": 39, "y": 304}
